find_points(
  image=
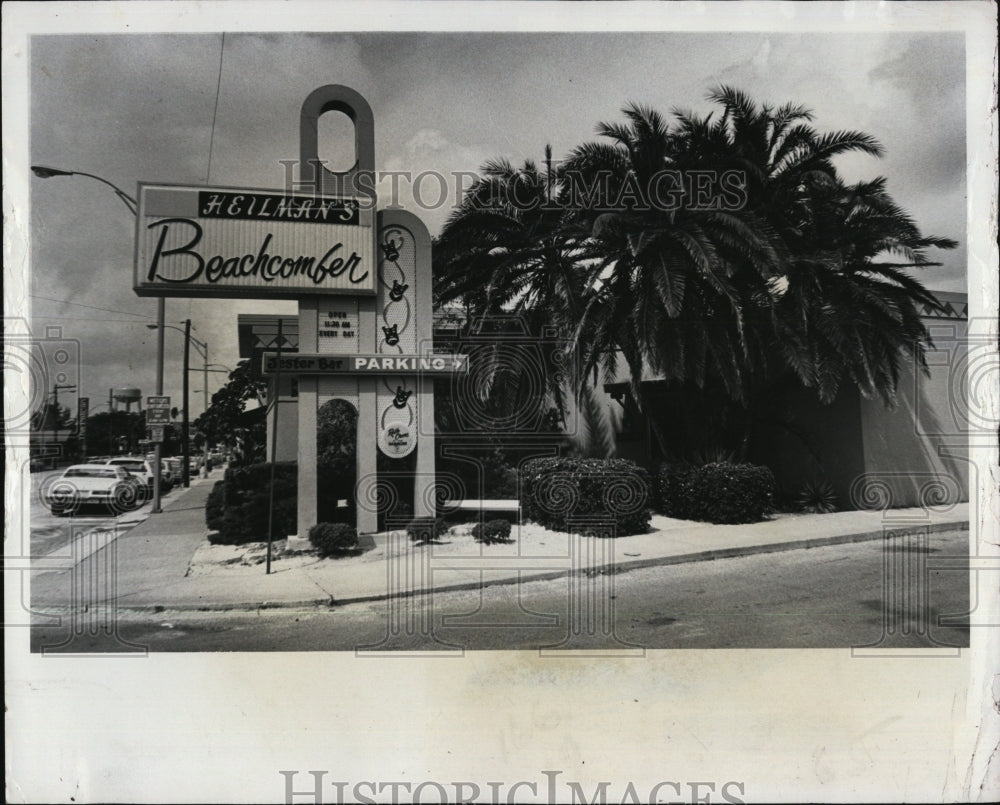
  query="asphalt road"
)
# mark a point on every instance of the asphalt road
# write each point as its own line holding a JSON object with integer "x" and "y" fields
{"x": 50, "y": 533}
{"x": 831, "y": 597}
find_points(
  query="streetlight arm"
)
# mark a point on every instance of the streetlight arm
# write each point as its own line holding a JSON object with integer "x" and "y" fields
{"x": 43, "y": 172}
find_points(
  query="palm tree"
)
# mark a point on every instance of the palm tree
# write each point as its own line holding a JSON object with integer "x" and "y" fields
{"x": 667, "y": 287}
{"x": 506, "y": 247}
{"x": 845, "y": 309}
{"x": 508, "y": 252}
{"x": 807, "y": 277}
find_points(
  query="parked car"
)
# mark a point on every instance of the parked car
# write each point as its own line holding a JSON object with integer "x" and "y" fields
{"x": 167, "y": 477}
{"x": 137, "y": 466}
{"x": 93, "y": 484}
{"x": 176, "y": 466}
{"x": 169, "y": 473}
{"x": 195, "y": 463}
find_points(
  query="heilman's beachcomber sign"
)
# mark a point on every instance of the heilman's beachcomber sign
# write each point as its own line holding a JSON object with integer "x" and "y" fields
{"x": 362, "y": 280}
{"x": 199, "y": 241}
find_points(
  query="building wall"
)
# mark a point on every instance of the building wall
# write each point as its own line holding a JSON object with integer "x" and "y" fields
{"x": 806, "y": 442}
{"x": 918, "y": 453}
{"x": 914, "y": 454}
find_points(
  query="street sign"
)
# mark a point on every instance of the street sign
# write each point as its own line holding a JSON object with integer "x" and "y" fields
{"x": 82, "y": 413}
{"x": 366, "y": 364}
{"x": 223, "y": 241}
{"x": 158, "y": 411}
{"x": 156, "y": 433}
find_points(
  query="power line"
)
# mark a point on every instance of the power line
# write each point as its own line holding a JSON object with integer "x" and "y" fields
{"x": 85, "y": 318}
{"x": 91, "y": 307}
{"x": 215, "y": 112}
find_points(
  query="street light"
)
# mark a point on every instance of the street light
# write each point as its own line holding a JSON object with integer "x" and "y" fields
{"x": 202, "y": 348}
{"x": 47, "y": 172}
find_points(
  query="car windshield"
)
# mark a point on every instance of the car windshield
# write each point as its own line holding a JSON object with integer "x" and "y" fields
{"x": 87, "y": 472}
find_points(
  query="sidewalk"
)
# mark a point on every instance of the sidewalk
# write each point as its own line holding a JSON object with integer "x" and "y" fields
{"x": 154, "y": 568}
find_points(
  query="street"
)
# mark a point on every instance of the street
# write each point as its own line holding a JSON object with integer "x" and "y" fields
{"x": 50, "y": 533}
{"x": 829, "y": 597}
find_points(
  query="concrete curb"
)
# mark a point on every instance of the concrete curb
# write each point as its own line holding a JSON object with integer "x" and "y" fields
{"x": 526, "y": 576}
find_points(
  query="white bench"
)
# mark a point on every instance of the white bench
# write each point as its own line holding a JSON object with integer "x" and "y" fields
{"x": 484, "y": 505}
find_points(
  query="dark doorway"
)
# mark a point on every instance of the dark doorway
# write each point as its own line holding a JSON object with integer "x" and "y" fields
{"x": 336, "y": 462}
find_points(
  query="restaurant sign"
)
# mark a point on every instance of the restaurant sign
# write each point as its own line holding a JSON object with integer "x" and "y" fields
{"x": 298, "y": 363}
{"x": 203, "y": 241}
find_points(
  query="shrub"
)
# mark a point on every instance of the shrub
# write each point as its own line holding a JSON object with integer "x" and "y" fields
{"x": 245, "y": 496}
{"x": 817, "y": 497}
{"x": 492, "y": 531}
{"x": 556, "y": 491}
{"x": 674, "y": 490}
{"x": 331, "y": 539}
{"x": 426, "y": 529}
{"x": 720, "y": 492}
{"x": 215, "y": 506}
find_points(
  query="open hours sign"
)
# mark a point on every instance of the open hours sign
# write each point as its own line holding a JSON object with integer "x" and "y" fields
{"x": 203, "y": 241}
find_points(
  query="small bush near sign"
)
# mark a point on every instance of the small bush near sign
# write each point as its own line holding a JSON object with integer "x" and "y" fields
{"x": 333, "y": 539}
{"x": 565, "y": 493}
{"x": 244, "y": 500}
{"x": 492, "y": 531}
{"x": 720, "y": 492}
{"x": 427, "y": 529}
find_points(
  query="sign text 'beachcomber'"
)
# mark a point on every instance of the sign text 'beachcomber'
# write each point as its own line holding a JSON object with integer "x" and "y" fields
{"x": 200, "y": 241}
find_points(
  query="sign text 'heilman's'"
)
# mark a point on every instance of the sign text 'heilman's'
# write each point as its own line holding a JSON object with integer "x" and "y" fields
{"x": 270, "y": 206}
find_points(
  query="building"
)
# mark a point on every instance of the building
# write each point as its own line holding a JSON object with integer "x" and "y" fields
{"x": 872, "y": 456}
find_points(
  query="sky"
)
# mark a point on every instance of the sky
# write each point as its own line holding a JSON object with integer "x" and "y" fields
{"x": 222, "y": 110}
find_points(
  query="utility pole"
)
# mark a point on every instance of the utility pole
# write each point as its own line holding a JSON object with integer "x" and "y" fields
{"x": 184, "y": 422}
{"x": 158, "y": 448}
{"x": 204, "y": 446}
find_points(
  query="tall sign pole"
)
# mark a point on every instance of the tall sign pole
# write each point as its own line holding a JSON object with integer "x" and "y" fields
{"x": 362, "y": 281}
{"x": 358, "y": 313}
{"x": 274, "y": 450}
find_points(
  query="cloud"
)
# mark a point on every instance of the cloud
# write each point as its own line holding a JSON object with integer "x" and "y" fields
{"x": 437, "y": 173}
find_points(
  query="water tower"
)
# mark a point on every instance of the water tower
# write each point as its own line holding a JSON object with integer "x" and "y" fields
{"x": 128, "y": 395}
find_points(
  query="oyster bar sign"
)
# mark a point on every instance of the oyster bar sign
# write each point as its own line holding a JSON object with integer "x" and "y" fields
{"x": 202, "y": 241}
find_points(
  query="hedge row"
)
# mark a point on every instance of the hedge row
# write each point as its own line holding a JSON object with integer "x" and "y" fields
{"x": 605, "y": 496}
{"x": 237, "y": 510}
{"x": 720, "y": 492}
{"x": 588, "y": 495}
